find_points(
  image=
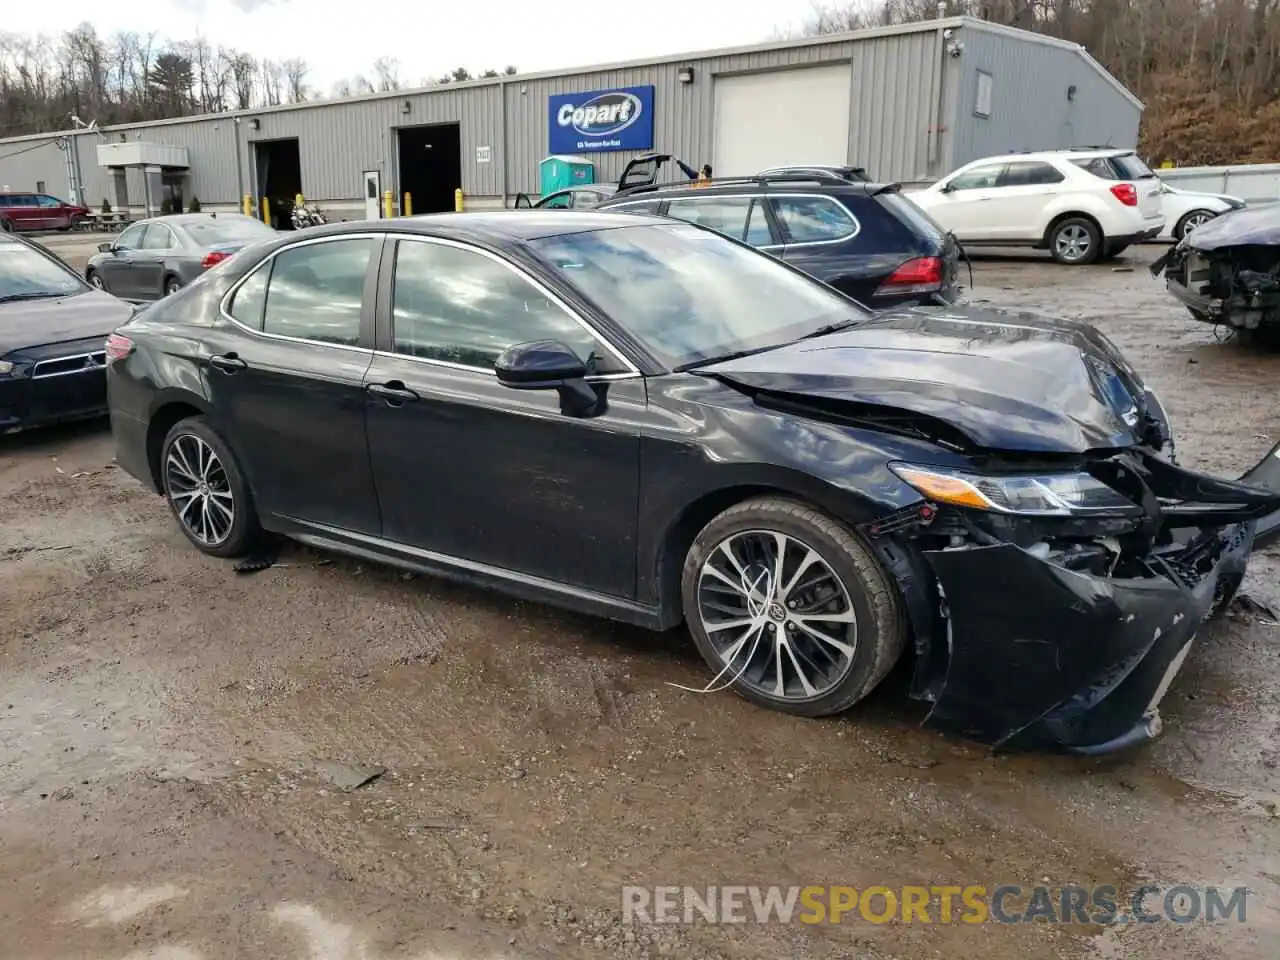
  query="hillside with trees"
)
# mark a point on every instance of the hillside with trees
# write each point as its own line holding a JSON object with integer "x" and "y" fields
{"x": 130, "y": 77}
{"x": 1208, "y": 70}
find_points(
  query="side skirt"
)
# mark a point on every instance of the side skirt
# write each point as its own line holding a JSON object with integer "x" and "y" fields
{"x": 455, "y": 569}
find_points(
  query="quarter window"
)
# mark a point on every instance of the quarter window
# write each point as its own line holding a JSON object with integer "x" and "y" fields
{"x": 724, "y": 215}
{"x": 249, "y": 299}
{"x": 979, "y": 178}
{"x": 317, "y": 289}
{"x": 814, "y": 219}
{"x": 460, "y": 306}
{"x": 1029, "y": 173}
{"x": 758, "y": 232}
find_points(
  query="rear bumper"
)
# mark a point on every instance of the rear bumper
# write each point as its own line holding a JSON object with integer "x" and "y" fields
{"x": 1139, "y": 236}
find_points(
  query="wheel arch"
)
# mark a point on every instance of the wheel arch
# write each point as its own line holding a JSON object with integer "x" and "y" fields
{"x": 169, "y": 408}
{"x": 676, "y": 539}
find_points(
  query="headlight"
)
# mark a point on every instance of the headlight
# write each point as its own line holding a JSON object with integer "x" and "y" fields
{"x": 5, "y": 367}
{"x": 1040, "y": 495}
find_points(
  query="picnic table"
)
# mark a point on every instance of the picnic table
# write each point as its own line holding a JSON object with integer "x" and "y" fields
{"x": 95, "y": 220}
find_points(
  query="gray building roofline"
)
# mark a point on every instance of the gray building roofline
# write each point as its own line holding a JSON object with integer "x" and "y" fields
{"x": 923, "y": 26}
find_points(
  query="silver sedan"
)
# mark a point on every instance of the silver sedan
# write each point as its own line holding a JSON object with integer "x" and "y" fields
{"x": 153, "y": 258}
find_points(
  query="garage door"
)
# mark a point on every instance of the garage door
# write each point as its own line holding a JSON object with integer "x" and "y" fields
{"x": 791, "y": 116}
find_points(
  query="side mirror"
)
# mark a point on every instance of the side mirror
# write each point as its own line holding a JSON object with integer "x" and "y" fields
{"x": 946, "y": 188}
{"x": 550, "y": 365}
{"x": 106, "y": 247}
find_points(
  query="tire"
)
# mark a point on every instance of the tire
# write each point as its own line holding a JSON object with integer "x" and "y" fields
{"x": 172, "y": 285}
{"x": 1075, "y": 233}
{"x": 849, "y": 582}
{"x": 185, "y": 482}
{"x": 6, "y": 226}
{"x": 1110, "y": 252}
{"x": 1190, "y": 220}
{"x": 95, "y": 280}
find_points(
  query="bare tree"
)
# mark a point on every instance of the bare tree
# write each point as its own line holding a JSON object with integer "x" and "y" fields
{"x": 295, "y": 75}
{"x": 386, "y": 73}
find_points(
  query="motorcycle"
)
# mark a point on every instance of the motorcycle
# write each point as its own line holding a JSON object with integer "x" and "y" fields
{"x": 304, "y": 216}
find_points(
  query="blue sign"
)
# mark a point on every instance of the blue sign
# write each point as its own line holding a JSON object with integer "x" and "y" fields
{"x": 602, "y": 120}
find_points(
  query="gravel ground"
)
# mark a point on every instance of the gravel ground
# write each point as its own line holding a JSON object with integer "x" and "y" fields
{"x": 178, "y": 743}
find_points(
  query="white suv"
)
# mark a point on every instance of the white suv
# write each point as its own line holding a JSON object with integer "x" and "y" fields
{"x": 1080, "y": 205}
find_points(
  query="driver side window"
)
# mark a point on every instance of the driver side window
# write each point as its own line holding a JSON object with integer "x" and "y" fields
{"x": 131, "y": 239}
{"x": 979, "y": 178}
{"x": 461, "y": 306}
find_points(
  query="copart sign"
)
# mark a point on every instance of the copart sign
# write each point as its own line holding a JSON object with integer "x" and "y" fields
{"x": 602, "y": 120}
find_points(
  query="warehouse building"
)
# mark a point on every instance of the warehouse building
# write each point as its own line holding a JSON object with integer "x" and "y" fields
{"x": 908, "y": 103}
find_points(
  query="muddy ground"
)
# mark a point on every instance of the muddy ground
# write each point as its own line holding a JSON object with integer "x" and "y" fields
{"x": 170, "y": 732}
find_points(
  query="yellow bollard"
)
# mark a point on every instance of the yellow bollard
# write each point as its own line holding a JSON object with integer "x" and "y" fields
{"x": 408, "y": 204}
{"x": 246, "y": 204}
{"x": 266, "y": 211}
{"x": 388, "y": 205}
{"x": 457, "y": 200}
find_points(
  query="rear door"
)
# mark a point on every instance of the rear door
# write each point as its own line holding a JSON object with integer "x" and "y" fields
{"x": 286, "y": 377}
{"x": 742, "y": 217}
{"x": 149, "y": 262}
{"x": 24, "y": 213}
{"x": 1018, "y": 207}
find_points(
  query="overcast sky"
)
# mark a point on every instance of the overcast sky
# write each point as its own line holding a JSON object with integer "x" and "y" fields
{"x": 339, "y": 38}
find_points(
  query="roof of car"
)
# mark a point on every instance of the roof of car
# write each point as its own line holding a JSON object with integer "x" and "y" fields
{"x": 735, "y": 185}
{"x": 496, "y": 225}
{"x": 184, "y": 219}
{"x": 1066, "y": 153}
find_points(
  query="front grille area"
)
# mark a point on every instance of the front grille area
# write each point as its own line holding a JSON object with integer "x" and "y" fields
{"x": 65, "y": 366}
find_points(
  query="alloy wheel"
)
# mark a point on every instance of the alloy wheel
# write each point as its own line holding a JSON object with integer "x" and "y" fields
{"x": 172, "y": 287}
{"x": 777, "y": 614}
{"x": 1195, "y": 220}
{"x": 1073, "y": 242}
{"x": 96, "y": 281}
{"x": 199, "y": 490}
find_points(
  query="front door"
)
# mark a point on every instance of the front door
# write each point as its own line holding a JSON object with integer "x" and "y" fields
{"x": 287, "y": 381}
{"x": 962, "y": 204}
{"x": 476, "y": 471}
{"x": 372, "y": 195}
{"x": 117, "y": 269}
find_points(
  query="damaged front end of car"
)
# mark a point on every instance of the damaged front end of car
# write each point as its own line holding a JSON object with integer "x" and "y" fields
{"x": 1054, "y": 603}
{"x": 1227, "y": 272}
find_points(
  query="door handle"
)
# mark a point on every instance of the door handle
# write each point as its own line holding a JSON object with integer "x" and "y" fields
{"x": 393, "y": 391}
{"x": 229, "y": 363}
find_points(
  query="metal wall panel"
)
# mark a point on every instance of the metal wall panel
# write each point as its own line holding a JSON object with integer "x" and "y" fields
{"x": 24, "y": 163}
{"x": 895, "y": 105}
{"x": 1029, "y": 105}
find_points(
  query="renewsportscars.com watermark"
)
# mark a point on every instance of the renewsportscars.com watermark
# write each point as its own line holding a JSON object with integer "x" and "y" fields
{"x": 973, "y": 904}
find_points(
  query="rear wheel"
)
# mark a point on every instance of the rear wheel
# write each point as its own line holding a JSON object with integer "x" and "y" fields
{"x": 206, "y": 490}
{"x": 1075, "y": 241}
{"x": 1191, "y": 220}
{"x": 172, "y": 285}
{"x": 6, "y": 226}
{"x": 791, "y": 607}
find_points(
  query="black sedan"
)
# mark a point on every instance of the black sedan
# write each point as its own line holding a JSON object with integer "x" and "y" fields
{"x": 53, "y": 327}
{"x": 153, "y": 258}
{"x": 646, "y": 420}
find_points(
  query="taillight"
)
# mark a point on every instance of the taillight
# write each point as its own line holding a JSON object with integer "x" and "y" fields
{"x": 214, "y": 257}
{"x": 118, "y": 347}
{"x": 922, "y": 275}
{"x": 1126, "y": 193}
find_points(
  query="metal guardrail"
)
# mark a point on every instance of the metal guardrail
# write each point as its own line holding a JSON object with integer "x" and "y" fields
{"x": 1255, "y": 183}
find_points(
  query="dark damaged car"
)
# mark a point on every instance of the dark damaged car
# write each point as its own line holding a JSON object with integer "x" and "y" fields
{"x": 646, "y": 420}
{"x": 1227, "y": 272}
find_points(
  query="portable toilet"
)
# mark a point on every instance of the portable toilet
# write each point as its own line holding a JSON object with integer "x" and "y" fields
{"x": 557, "y": 173}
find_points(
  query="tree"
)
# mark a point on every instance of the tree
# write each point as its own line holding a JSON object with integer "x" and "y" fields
{"x": 386, "y": 72}
{"x": 295, "y": 73}
{"x": 170, "y": 82}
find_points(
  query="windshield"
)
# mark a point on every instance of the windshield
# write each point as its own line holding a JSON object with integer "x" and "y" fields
{"x": 27, "y": 274}
{"x": 232, "y": 229}
{"x": 690, "y": 295}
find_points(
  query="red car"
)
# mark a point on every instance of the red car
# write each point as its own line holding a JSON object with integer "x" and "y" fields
{"x": 37, "y": 211}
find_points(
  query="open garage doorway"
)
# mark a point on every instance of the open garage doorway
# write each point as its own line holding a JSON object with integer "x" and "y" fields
{"x": 278, "y": 169}
{"x": 430, "y": 165}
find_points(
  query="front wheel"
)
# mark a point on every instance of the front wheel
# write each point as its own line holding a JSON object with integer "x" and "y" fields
{"x": 790, "y": 607}
{"x": 95, "y": 280}
{"x": 1191, "y": 220}
{"x": 1075, "y": 241}
{"x": 206, "y": 490}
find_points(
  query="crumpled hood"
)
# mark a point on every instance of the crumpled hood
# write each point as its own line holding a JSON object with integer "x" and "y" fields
{"x": 1008, "y": 381}
{"x": 1259, "y": 226}
{"x": 30, "y": 323}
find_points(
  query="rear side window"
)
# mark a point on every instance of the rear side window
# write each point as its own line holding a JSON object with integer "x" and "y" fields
{"x": 1127, "y": 166}
{"x": 813, "y": 220}
{"x": 1027, "y": 173}
{"x": 640, "y": 206}
{"x": 316, "y": 291}
{"x": 890, "y": 223}
{"x": 727, "y": 215}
